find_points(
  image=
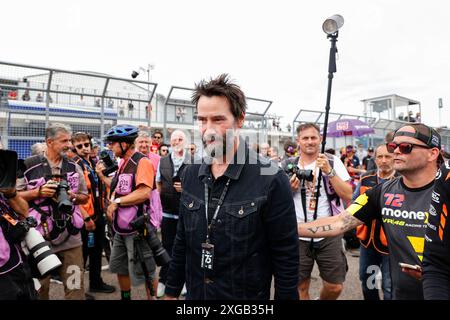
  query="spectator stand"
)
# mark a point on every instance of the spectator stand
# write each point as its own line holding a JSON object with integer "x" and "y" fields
{"x": 86, "y": 101}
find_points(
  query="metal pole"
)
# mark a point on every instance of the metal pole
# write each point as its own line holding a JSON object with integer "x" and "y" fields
{"x": 47, "y": 103}
{"x": 102, "y": 116}
{"x": 331, "y": 70}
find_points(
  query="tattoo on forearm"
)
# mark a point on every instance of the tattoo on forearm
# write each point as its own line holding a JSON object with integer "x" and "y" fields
{"x": 349, "y": 222}
{"x": 324, "y": 228}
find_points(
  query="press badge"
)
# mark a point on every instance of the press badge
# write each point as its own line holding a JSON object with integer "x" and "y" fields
{"x": 207, "y": 256}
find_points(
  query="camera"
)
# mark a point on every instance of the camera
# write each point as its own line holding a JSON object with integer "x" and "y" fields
{"x": 40, "y": 256}
{"x": 134, "y": 74}
{"x": 39, "y": 253}
{"x": 64, "y": 203}
{"x": 142, "y": 225}
{"x": 111, "y": 166}
{"x": 8, "y": 169}
{"x": 301, "y": 174}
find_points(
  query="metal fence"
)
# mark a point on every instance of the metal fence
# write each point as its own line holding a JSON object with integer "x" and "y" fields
{"x": 381, "y": 127}
{"x": 31, "y": 97}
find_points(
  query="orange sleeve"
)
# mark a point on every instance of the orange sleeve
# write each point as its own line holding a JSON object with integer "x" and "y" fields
{"x": 145, "y": 174}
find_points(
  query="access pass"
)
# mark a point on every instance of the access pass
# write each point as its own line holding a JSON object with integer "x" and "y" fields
{"x": 207, "y": 256}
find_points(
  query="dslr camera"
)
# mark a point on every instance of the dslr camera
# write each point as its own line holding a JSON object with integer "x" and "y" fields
{"x": 64, "y": 203}
{"x": 142, "y": 225}
{"x": 110, "y": 164}
{"x": 40, "y": 257}
{"x": 301, "y": 174}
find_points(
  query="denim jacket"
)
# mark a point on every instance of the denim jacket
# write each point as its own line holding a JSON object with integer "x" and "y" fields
{"x": 254, "y": 236}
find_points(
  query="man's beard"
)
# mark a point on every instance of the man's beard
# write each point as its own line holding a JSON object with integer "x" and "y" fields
{"x": 221, "y": 146}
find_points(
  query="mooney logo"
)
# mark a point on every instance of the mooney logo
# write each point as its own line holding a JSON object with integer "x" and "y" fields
{"x": 411, "y": 215}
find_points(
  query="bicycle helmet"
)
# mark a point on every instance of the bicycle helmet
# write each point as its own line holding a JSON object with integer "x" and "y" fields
{"x": 122, "y": 133}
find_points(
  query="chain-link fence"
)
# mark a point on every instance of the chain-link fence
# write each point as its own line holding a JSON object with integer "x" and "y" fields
{"x": 32, "y": 97}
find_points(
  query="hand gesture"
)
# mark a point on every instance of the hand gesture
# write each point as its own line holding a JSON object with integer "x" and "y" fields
{"x": 323, "y": 163}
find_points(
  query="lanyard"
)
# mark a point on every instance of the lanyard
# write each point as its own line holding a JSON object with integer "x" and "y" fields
{"x": 219, "y": 204}
{"x": 92, "y": 171}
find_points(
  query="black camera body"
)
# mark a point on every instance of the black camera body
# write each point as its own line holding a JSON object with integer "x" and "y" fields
{"x": 64, "y": 203}
{"x": 301, "y": 174}
{"x": 17, "y": 231}
{"x": 142, "y": 225}
{"x": 110, "y": 164}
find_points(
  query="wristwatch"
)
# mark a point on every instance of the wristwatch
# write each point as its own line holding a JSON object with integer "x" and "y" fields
{"x": 118, "y": 201}
{"x": 332, "y": 173}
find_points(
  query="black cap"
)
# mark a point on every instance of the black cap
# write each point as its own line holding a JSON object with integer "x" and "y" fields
{"x": 424, "y": 133}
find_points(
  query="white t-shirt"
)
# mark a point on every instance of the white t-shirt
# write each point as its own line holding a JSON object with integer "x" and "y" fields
{"x": 323, "y": 209}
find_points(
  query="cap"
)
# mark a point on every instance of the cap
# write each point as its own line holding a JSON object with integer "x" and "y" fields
{"x": 424, "y": 133}
{"x": 370, "y": 149}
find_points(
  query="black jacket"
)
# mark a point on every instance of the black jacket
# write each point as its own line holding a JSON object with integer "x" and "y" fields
{"x": 255, "y": 234}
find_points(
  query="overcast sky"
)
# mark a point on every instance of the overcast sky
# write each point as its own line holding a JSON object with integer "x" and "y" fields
{"x": 276, "y": 50}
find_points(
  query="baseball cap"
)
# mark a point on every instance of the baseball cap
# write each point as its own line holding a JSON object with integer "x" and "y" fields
{"x": 370, "y": 149}
{"x": 424, "y": 133}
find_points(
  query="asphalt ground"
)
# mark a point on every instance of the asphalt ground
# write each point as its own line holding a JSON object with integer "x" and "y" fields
{"x": 352, "y": 286}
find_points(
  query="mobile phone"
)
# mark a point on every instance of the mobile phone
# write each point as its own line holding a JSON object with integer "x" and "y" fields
{"x": 176, "y": 179}
{"x": 410, "y": 266}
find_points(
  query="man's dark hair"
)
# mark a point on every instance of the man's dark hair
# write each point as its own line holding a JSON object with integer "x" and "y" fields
{"x": 222, "y": 86}
{"x": 157, "y": 132}
{"x": 307, "y": 125}
{"x": 78, "y": 136}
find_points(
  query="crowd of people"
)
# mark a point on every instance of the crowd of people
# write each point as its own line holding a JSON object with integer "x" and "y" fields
{"x": 235, "y": 220}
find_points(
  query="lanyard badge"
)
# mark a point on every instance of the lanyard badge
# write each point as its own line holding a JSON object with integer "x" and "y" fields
{"x": 207, "y": 256}
{"x": 207, "y": 247}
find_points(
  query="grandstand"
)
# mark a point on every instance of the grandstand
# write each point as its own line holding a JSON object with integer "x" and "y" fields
{"x": 32, "y": 97}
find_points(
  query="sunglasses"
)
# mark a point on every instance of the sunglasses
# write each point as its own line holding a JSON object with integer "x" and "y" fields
{"x": 80, "y": 146}
{"x": 404, "y": 147}
{"x": 157, "y": 137}
{"x": 164, "y": 150}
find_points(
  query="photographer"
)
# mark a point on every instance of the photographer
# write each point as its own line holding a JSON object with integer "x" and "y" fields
{"x": 327, "y": 253}
{"x": 15, "y": 277}
{"x": 54, "y": 188}
{"x": 94, "y": 222}
{"x": 130, "y": 191}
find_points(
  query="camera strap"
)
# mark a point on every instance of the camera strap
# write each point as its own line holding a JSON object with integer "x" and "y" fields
{"x": 219, "y": 204}
{"x": 303, "y": 195}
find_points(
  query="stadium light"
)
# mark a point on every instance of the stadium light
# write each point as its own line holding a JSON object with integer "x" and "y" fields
{"x": 134, "y": 75}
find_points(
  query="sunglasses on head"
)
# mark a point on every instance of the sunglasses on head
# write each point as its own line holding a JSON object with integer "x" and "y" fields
{"x": 80, "y": 146}
{"x": 404, "y": 147}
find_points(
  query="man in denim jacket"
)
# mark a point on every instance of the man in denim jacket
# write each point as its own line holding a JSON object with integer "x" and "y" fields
{"x": 246, "y": 233}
